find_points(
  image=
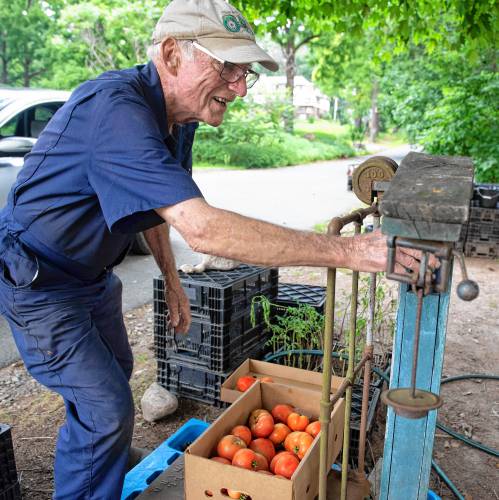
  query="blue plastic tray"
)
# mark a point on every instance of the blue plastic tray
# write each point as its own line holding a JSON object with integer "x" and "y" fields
{"x": 145, "y": 472}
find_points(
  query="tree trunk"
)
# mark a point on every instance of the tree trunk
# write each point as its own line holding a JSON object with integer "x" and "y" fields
{"x": 26, "y": 73}
{"x": 289, "y": 53}
{"x": 3, "y": 56}
{"x": 374, "y": 121}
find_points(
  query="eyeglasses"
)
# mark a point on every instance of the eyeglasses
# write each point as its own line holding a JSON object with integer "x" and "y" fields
{"x": 230, "y": 72}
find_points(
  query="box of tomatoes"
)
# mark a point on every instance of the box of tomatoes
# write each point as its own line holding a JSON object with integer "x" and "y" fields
{"x": 251, "y": 370}
{"x": 265, "y": 445}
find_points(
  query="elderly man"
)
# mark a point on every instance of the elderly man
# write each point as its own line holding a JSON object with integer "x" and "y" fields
{"x": 115, "y": 160}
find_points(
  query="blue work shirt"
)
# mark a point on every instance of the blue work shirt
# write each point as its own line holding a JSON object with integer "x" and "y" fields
{"x": 97, "y": 172}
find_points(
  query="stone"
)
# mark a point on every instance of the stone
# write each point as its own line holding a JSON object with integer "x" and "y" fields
{"x": 157, "y": 403}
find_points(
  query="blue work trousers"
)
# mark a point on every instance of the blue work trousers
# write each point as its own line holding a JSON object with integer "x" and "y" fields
{"x": 72, "y": 339}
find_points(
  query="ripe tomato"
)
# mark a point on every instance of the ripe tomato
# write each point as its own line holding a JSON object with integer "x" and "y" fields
{"x": 263, "y": 446}
{"x": 281, "y": 413}
{"x": 279, "y": 433}
{"x": 313, "y": 428}
{"x": 297, "y": 422}
{"x": 298, "y": 443}
{"x": 243, "y": 432}
{"x": 245, "y": 382}
{"x": 228, "y": 446}
{"x": 261, "y": 423}
{"x": 222, "y": 460}
{"x": 286, "y": 465}
{"x": 267, "y": 380}
{"x": 278, "y": 455}
{"x": 237, "y": 494}
{"x": 262, "y": 462}
{"x": 248, "y": 459}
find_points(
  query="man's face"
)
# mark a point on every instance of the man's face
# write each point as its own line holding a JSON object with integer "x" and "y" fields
{"x": 202, "y": 94}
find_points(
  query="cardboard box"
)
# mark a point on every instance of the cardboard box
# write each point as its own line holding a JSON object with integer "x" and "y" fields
{"x": 285, "y": 375}
{"x": 205, "y": 478}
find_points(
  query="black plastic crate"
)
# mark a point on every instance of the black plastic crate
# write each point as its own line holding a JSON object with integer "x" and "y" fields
{"x": 374, "y": 394}
{"x": 208, "y": 355}
{"x": 222, "y": 295}
{"x": 9, "y": 484}
{"x": 486, "y": 195}
{"x": 190, "y": 381}
{"x": 488, "y": 250}
{"x": 291, "y": 295}
{"x": 216, "y": 347}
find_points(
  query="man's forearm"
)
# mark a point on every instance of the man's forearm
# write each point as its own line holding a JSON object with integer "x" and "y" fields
{"x": 227, "y": 234}
{"x": 158, "y": 239}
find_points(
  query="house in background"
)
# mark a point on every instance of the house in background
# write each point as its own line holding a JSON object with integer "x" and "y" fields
{"x": 308, "y": 100}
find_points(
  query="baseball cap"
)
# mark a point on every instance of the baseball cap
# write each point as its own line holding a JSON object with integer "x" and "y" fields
{"x": 217, "y": 26}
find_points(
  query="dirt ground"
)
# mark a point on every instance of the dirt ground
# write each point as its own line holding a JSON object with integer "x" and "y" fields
{"x": 470, "y": 408}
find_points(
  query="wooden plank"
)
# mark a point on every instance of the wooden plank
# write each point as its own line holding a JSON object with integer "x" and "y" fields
{"x": 430, "y": 188}
{"x": 409, "y": 443}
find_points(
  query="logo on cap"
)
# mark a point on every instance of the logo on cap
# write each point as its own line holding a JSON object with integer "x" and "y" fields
{"x": 236, "y": 24}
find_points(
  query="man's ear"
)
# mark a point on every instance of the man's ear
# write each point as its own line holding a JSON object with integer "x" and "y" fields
{"x": 170, "y": 54}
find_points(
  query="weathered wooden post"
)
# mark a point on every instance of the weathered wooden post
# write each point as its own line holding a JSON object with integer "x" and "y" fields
{"x": 425, "y": 207}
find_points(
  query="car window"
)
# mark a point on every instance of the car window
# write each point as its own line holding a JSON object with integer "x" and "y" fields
{"x": 9, "y": 128}
{"x": 30, "y": 122}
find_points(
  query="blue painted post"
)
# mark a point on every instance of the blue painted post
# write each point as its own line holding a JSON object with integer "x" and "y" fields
{"x": 409, "y": 443}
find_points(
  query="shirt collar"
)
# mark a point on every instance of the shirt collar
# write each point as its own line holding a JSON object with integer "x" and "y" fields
{"x": 154, "y": 95}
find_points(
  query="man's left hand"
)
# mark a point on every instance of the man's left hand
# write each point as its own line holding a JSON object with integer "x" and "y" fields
{"x": 178, "y": 307}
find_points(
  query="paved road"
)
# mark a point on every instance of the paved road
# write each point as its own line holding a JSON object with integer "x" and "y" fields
{"x": 297, "y": 197}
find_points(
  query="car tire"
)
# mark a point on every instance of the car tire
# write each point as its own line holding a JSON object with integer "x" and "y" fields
{"x": 140, "y": 246}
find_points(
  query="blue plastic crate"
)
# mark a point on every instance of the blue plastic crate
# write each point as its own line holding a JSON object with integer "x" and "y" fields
{"x": 144, "y": 473}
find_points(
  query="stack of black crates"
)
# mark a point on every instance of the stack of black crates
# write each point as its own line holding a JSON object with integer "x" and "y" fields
{"x": 482, "y": 238}
{"x": 9, "y": 485}
{"x": 221, "y": 335}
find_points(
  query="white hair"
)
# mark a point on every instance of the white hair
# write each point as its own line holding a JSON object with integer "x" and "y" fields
{"x": 185, "y": 46}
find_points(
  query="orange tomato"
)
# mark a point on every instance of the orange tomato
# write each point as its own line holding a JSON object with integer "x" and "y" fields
{"x": 278, "y": 455}
{"x": 262, "y": 462}
{"x": 298, "y": 443}
{"x": 261, "y": 423}
{"x": 282, "y": 412}
{"x": 279, "y": 433}
{"x": 242, "y": 432}
{"x": 286, "y": 465}
{"x": 313, "y": 428}
{"x": 228, "y": 446}
{"x": 297, "y": 422}
{"x": 237, "y": 494}
{"x": 263, "y": 446}
{"x": 244, "y": 383}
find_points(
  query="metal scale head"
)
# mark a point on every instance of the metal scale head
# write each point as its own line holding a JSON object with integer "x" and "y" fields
{"x": 424, "y": 208}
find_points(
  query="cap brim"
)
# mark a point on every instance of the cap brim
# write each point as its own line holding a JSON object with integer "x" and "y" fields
{"x": 238, "y": 51}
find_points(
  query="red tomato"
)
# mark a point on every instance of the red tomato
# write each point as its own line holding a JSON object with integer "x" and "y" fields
{"x": 222, "y": 460}
{"x": 286, "y": 465}
{"x": 298, "y": 443}
{"x": 228, "y": 446}
{"x": 297, "y": 422}
{"x": 281, "y": 413}
{"x": 261, "y": 423}
{"x": 244, "y": 383}
{"x": 279, "y": 433}
{"x": 242, "y": 432}
{"x": 263, "y": 446}
{"x": 261, "y": 461}
{"x": 313, "y": 428}
{"x": 247, "y": 459}
{"x": 278, "y": 455}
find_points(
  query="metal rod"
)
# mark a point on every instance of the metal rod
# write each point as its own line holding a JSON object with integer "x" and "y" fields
{"x": 350, "y": 374}
{"x": 368, "y": 350}
{"x": 415, "y": 353}
{"x": 325, "y": 409}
